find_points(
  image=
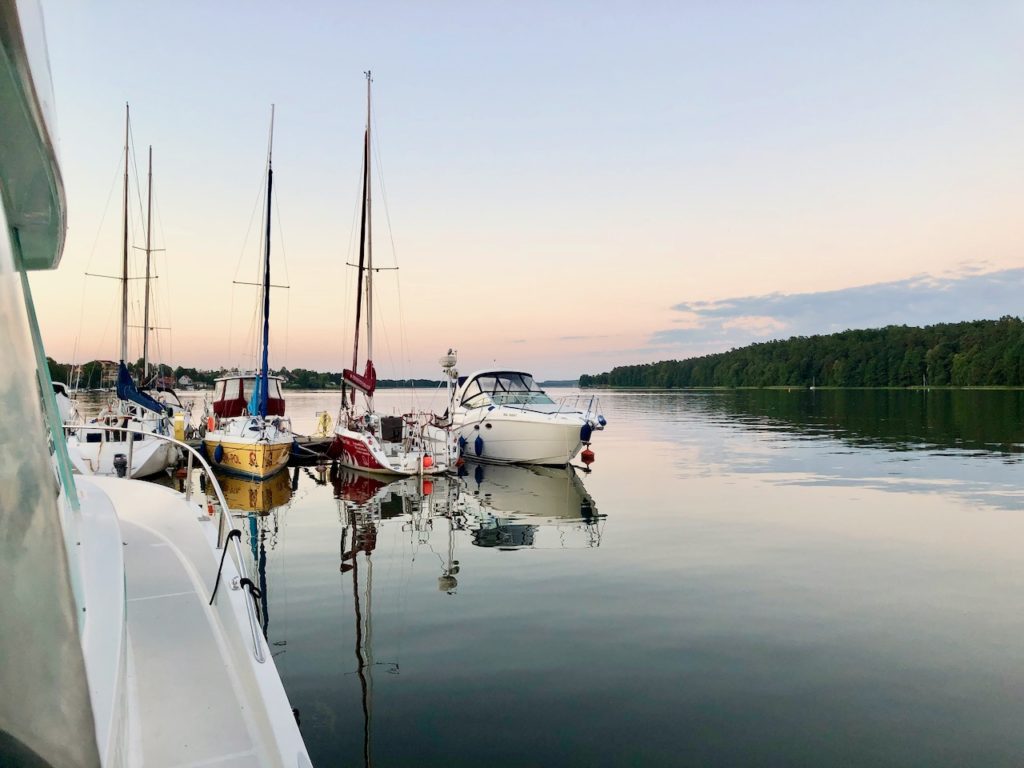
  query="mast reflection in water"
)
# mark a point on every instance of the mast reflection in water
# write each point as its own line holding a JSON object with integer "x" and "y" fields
{"x": 261, "y": 503}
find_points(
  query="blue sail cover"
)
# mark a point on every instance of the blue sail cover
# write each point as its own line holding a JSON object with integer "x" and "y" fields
{"x": 126, "y": 390}
{"x": 256, "y": 398}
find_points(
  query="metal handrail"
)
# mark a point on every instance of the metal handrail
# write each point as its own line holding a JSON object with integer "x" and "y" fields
{"x": 571, "y": 404}
{"x": 240, "y": 562}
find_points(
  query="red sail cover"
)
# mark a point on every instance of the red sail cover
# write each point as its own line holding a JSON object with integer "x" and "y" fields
{"x": 367, "y": 382}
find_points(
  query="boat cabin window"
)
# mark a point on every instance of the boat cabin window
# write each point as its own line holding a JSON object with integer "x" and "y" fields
{"x": 218, "y": 390}
{"x": 504, "y": 389}
{"x": 273, "y": 388}
{"x": 474, "y": 397}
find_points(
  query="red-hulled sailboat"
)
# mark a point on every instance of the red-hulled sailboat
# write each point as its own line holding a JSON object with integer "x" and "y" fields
{"x": 411, "y": 444}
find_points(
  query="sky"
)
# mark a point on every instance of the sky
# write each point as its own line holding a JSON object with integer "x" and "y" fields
{"x": 566, "y": 186}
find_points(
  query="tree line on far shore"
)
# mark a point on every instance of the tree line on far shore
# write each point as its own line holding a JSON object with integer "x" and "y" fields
{"x": 969, "y": 354}
{"x": 91, "y": 376}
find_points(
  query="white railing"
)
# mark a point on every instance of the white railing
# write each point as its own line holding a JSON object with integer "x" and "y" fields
{"x": 241, "y": 563}
{"x": 587, "y": 404}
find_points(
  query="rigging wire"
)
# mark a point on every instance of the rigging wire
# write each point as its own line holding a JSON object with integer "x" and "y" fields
{"x": 241, "y": 256}
{"x": 163, "y": 303}
{"x": 106, "y": 209}
{"x": 405, "y": 369}
{"x": 287, "y": 277}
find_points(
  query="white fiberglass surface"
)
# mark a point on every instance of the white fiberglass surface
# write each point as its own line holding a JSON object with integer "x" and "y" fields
{"x": 200, "y": 698}
{"x": 42, "y": 655}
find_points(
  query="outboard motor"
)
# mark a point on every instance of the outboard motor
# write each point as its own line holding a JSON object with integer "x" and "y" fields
{"x": 121, "y": 464}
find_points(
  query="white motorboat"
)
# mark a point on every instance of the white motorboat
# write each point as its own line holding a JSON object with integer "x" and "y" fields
{"x": 128, "y": 622}
{"x": 504, "y": 416}
{"x": 248, "y": 436}
{"x": 410, "y": 444}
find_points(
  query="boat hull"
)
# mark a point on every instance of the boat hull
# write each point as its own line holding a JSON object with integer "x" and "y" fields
{"x": 357, "y": 450}
{"x": 150, "y": 456}
{"x": 519, "y": 439}
{"x": 247, "y": 458}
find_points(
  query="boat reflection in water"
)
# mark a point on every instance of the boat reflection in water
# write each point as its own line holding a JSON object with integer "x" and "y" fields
{"x": 245, "y": 495}
{"x": 509, "y": 506}
{"x": 501, "y": 506}
{"x": 261, "y": 503}
{"x": 504, "y": 506}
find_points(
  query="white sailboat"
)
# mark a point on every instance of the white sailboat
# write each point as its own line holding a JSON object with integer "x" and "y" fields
{"x": 411, "y": 444}
{"x": 95, "y": 449}
{"x": 254, "y": 442}
{"x": 115, "y": 653}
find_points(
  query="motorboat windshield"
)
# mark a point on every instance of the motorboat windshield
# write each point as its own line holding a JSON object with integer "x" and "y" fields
{"x": 511, "y": 388}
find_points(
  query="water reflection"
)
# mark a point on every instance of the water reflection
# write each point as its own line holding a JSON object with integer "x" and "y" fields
{"x": 960, "y": 442}
{"x": 900, "y": 420}
{"x": 259, "y": 496}
{"x": 261, "y": 503}
{"x": 503, "y": 507}
{"x": 506, "y": 506}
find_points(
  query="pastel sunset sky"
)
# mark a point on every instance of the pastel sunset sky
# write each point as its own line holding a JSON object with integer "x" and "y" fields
{"x": 567, "y": 186}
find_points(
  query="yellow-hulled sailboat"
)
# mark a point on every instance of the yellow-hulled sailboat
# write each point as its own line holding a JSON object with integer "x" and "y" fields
{"x": 257, "y": 441}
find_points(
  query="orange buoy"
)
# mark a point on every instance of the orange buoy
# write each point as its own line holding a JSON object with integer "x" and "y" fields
{"x": 428, "y": 487}
{"x": 587, "y": 456}
{"x": 428, "y": 461}
{"x": 210, "y": 423}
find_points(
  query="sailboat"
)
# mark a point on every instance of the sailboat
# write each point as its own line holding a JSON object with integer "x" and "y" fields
{"x": 255, "y": 441}
{"x": 154, "y": 386}
{"x": 95, "y": 450}
{"x": 411, "y": 444}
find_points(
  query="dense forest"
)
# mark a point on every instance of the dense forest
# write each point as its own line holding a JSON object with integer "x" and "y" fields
{"x": 976, "y": 353}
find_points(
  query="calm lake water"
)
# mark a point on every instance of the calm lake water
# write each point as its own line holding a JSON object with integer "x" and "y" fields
{"x": 746, "y": 578}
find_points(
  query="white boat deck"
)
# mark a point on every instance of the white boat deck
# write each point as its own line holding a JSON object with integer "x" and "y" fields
{"x": 187, "y": 688}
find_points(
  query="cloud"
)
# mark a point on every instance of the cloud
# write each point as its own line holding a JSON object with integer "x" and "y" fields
{"x": 754, "y": 324}
{"x": 919, "y": 300}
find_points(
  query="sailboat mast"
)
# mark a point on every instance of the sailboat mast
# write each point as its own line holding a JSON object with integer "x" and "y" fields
{"x": 124, "y": 261}
{"x": 145, "y": 311}
{"x": 369, "y": 235}
{"x": 264, "y": 379}
{"x": 362, "y": 264}
{"x": 370, "y": 232}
